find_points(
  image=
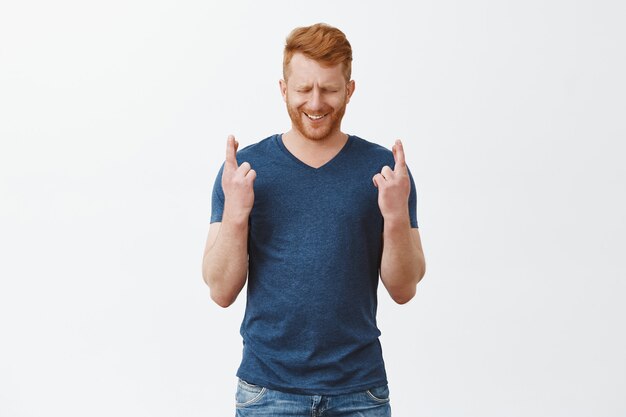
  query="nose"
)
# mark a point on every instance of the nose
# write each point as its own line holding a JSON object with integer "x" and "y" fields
{"x": 315, "y": 101}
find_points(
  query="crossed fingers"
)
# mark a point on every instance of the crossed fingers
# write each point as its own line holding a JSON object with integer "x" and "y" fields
{"x": 231, "y": 165}
{"x": 400, "y": 169}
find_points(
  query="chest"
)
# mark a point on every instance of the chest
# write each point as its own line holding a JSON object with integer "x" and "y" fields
{"x": 316, "y": 200}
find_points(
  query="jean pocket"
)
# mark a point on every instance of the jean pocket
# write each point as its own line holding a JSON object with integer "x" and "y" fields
{"x": 248, "y": 393}
{"x": 379, "y": 394}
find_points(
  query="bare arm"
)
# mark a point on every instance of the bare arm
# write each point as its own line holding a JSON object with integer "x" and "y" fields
{"x": 402, "y": 264}
{"x": 225, "y": 260}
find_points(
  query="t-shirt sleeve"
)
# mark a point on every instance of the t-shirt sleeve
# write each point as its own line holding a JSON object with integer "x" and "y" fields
{"x": 412, "y": 202}
{"x": 217, "y": 198}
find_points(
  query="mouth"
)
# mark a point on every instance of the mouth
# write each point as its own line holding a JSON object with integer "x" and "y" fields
{"x": 315, "y": 117}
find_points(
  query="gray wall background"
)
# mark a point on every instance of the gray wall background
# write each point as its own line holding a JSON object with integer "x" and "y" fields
{"x": 113, "y": 123}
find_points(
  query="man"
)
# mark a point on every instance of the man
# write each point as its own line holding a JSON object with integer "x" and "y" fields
{"x": 310, "y": 217}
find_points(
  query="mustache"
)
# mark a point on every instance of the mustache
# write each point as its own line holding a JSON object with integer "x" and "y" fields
{"x": 318, "y": 112}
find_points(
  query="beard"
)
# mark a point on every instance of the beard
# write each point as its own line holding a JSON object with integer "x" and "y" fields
{"x": 331, "y": 123}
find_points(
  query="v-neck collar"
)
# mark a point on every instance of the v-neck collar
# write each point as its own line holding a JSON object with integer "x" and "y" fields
{"x": 279, "y": 141}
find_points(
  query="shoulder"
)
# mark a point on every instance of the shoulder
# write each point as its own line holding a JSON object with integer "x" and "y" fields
{"x": 261, "y": 152}
{"x": 257, "y": 148}
{"x": 372, "y": 150}
{"x": 254, "y": 153}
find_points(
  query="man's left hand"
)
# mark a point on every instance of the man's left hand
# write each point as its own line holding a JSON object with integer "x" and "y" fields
{"x": 394, "y": 187}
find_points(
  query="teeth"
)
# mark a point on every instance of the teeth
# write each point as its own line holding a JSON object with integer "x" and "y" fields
{"x": 310, "y": 116}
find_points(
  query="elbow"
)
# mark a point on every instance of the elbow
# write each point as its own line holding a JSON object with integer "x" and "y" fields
{"x": 403, "y": 297}
{"x": 421, "y": 274}
{"x": 219, "y": 296}
{"x": 221, "y": 301}
{"x": 222, "y": 296}
{"x": 404, "y": 294}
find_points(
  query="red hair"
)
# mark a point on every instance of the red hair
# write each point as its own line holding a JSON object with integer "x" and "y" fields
{"x": 320, "y": 42}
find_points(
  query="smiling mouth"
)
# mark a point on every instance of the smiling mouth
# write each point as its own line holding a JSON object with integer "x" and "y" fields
{"x": 315, "y": 117}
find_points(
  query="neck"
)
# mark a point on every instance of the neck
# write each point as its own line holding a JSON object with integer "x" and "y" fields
{"x": 332, "y": 141}
{"x": 314, "y": 153}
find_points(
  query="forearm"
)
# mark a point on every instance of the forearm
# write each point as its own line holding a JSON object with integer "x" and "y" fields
{"x": 225, "y": 264}
{"x": 402, "y": 263}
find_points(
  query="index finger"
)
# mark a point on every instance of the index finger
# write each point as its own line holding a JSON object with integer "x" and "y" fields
{"x": 231, "y": 152}
{"x": 399, "y": 155}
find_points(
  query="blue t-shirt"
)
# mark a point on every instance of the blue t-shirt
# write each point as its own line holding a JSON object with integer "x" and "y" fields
{"x": 314, "y": 250}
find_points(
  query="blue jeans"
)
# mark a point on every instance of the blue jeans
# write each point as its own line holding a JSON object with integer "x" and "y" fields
{"x": 256, "y": 401}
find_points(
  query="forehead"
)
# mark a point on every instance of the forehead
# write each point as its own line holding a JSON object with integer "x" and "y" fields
{"x": 306, "y": 70}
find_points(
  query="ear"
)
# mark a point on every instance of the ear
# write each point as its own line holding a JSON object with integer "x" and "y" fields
{"x": 350, "y": 90}
{"x": 283, "y": 89}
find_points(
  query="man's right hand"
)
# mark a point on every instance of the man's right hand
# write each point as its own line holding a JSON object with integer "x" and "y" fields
{"x": 237, "y": 183}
